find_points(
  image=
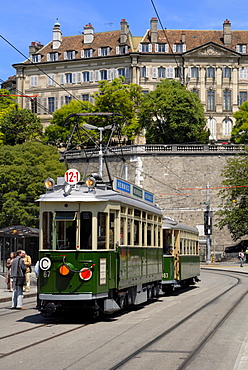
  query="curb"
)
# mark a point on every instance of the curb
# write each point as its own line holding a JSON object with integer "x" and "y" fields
{"x": 8, "y": 299}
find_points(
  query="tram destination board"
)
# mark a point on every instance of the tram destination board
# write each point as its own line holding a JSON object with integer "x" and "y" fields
{"x": 133, "y": 191}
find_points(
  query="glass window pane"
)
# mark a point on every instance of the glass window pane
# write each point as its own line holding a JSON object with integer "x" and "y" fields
{"x": 86, "y": 230}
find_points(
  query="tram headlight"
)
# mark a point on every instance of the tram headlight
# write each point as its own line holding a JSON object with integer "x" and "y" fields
{"x": 49, "y": 183}
{"x": 90, "y": 182}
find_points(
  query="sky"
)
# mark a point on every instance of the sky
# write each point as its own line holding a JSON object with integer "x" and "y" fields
{"x": 22, "y": 22}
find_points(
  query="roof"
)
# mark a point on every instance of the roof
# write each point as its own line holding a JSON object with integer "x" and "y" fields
{"x": 19, "y": 231}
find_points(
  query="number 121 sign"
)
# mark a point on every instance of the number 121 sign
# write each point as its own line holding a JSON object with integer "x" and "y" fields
{"x": 72, "y": 176}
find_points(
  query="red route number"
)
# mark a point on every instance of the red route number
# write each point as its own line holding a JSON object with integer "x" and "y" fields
{"x": 72, "y": 176}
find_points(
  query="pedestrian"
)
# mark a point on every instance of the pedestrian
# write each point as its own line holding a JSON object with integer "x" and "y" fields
{"x": 37, "y": 270}
{"x": 28, "y": 262}
{"x": 241, "y": 257}
{"x": 17, "y": 273}
{"x": 8, "y": 280}
{"x": 246, "y": 255}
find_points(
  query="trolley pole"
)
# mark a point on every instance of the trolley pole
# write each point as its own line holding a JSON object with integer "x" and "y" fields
{"x": 208, "y": 224}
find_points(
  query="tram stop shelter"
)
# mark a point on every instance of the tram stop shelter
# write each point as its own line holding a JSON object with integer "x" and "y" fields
{"x": 17, "y": 237}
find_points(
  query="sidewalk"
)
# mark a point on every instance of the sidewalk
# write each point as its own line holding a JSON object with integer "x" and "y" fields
{"x": 6, "y": 295}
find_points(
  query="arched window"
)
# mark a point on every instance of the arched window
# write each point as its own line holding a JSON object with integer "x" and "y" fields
{"x": 227, "y": 126}
{"x": 211, "y": 125}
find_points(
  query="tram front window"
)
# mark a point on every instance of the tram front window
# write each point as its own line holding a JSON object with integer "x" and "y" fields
{"x": 65, "y": 230}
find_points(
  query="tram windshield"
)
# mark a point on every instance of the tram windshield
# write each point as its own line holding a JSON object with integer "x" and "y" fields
{"x": 65, "y": 224}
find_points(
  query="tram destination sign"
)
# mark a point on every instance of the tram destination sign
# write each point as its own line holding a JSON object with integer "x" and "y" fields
{"x": 133, "y": 191}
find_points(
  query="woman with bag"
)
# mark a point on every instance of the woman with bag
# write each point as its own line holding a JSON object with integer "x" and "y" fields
{"x": 8, "y": 280}
{"x": 17, "y": 273}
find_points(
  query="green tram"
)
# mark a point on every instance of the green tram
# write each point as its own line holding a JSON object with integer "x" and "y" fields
{"x": 101, "y": 246}
{"x": 181, "y": 260}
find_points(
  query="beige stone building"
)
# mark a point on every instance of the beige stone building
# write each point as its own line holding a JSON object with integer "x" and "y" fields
{"x": 213, "y": 64}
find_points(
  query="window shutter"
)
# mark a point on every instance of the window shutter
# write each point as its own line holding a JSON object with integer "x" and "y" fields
{"x": 109, "y": 74}
{"x": 73, "y": 54}
{"x": 99, "y": 52}
{"x": 114, "y": 72}
{"x": 96, "y": 75}
{"x": 39, "y": 58}
{"x": 184, "y": 48}
{"x": 156, "y": 48}
{"x": 65, "y": 55}
{"x": 244, "y": 49}
{"x": 147, "y": 72}
{"x": 73, "y": 77}
{"x": 245, "y": 74}
{"x": 91, "y": 76}
{"x": 126, "y": 49}
{"x": 127, "y": 72}
{"x": 56, "y": 103}
{"x": 237, "y": 48}
{"x": 56, "y": 56}
{"x": 166, "y": 48}
{"x": 189, "y": 72}
{"x": 170, "y": 72}
{"x": 62, "y": 78}
{"x": 45, "y": 105}
{"x": 82, "y": 53}
{"x": 38, "y": 105}
{"x": 174, "y": 48}
{"x": 48, "y": 57}
{"x": 79, "y": 74}
{"x": 91, "y": 52}
{"x": 61, "y": 101}
{"x": 108, "y": 50}
{"x": 150, "y": 48}
{"x": 154, "y": 72}
{"x": 117, "y": 50}
{"x": 140, "y": 48}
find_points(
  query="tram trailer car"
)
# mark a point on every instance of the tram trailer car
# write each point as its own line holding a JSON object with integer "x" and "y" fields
{"x": 100, "y": 248}
{"x": 181, "y": 260}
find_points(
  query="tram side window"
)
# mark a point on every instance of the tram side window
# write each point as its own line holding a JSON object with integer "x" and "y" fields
{"x": 111, "y": 230}
{"x": 86, "y": 230}
{"x": 101, "y": 230}
{"x": 65, "y": 230}
{"x": 47, "y": 227}
{"x": 136, "y": 232}
{"x": 149, "y": 234}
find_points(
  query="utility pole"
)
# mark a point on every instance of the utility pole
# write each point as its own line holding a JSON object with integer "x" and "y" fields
{"x": 208, "y": 224}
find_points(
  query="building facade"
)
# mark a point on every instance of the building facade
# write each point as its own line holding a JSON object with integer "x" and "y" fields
{"x": 213, "y": 64}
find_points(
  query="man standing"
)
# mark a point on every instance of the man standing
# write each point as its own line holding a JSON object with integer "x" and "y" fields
{"x": 27, "y": 262}
{"x": 17, "y": 273}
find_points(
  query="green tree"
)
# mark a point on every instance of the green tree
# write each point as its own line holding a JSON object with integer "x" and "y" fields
{"x": 125, "y": 99}
{"x": 23, "y": 169}
{"x": 172, "y": 114}
{"x": 60, "y": 130}
{"x": 20, "y": 125}
{"x": 240, "y": 130}
{"x": 233, "y": 212}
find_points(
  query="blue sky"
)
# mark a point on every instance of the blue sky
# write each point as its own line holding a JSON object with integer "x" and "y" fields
{"x": 22, "y": 22}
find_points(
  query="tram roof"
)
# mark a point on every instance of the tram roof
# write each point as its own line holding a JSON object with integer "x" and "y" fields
{"x": 170, "y": 224}
{"x": 97, "y": 195}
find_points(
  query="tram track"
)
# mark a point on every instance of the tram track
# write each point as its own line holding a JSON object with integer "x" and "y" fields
{"x": 195, "y": 351}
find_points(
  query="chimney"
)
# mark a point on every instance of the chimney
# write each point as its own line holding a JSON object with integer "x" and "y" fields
{"x": 88, "y": 33}
{"x": 154, "y": 29}
{"x": 124, "y": 31}
{"x": 34, "y": 47}
{"x": 183, "y": 39}
{"x": 227, "y": 33}
{"x": 57, "y": 36}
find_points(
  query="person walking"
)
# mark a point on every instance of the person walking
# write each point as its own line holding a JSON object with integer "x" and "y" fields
{"x": 241, "y": 257}
{"x": 8, "y": 280}
{"x": 28, "y": 263}
{"x": 17, "y": 273}
{"x": 246, "y": 255}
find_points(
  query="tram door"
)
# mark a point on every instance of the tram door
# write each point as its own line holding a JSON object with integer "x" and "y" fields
{"x": 176, "y": 254}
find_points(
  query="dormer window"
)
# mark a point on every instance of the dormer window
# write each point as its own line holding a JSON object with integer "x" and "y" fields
{"x": 86, "y": 53}
{"x": 145, "y": 48}
{"x": 179, "y": 48}
{"x": 36, "y": 58}
{"x": 123, "y": 49}
{"x": 102, "y": 52}
{"x": 161, "y": 48}
{"x": 52, "y": 57}
{"x": 70, "y": 54}
{"x": 241, "y": 48}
